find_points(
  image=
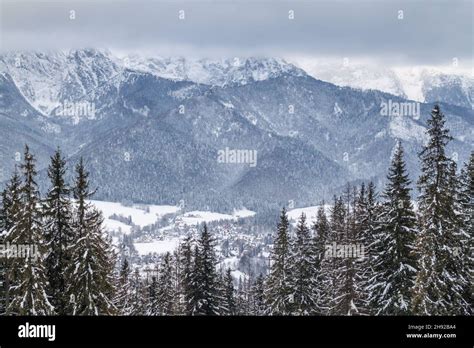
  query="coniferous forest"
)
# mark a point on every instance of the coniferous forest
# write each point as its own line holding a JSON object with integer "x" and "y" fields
{"x": 415, "y": 256}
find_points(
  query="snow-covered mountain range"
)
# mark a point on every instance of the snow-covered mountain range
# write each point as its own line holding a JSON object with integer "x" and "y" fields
{"x": 151, "y": 129}
{"x": 425, "y": 84}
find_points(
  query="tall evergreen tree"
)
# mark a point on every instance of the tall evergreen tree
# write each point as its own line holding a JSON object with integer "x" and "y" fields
{"x": 466, "y": 200}
{"x": 321, "y": 235}
{"x": 332, "y": 264}
{"x": 166, "y": 296}
{"x": 303, "y": 271}
{"x": 28, "y": 282}
{"x": 229, "y": 306}
{"x": 278, "y": 287}
{"x": 257, "y": 295}
{"x": 206, "y": 296}
{"x": 185, "y": 294}
{"x": 393, "y": 260}
{"x": 90, "y": 289}
{"x": 368, "y": 212}
{"x": 440, "y": 285}
{"x": 10, "y": 205}
{"x": 57, "y": 214}
{"x": 123, "y": 299}
{"x": 139, "y": 298}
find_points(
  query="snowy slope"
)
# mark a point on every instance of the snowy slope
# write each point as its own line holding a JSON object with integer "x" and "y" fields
{"x": 419, "y": 83}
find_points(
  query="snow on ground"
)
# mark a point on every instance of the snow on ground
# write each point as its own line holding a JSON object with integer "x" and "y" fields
{"x": 197, "y": 217}
{"x": 141, "y": 215}
{"x": 157, "y": 246}
{"x": 117, "y": 226}
{"x": 310, "y": 212}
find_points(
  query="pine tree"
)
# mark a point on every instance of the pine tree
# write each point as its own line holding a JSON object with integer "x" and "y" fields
{"x": 139, "y": 299}
{"x": 58, "y": 232}
{"x": 166, "y": 296}
{"x": 302, "y": 269}
{"x": 257, "y": 295}
{"x": 393, "y": 261}
{"x": 321, "y": 234}
{"x": 278, "y": 287}
{"x": 91, "y": 271}
{"x": 229, "y": 306}
{"x": 123, "y": 297}
{"x": 153, "y": 305}
{"x": 186, "y": 277}
{"x": 28, "y": 282}
{"x": 10, "y": 205}
{"x": 349, "y": 298}
{"x": 368, "y": 211}
{"x": 440, "y": 285}
{"x": 205, "y": 283}
{"x": 332, "y": 264}
{"x": 466, "y": 199}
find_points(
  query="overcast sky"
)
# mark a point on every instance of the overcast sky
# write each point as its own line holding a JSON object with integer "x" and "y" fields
{"x": 430, "y": 33}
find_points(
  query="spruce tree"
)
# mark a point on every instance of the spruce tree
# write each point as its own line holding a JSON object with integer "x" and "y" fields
{"x": 303, "y": 271}
{"x": 466, "y": 199}
{"x": 440, "y": 285}
{"x": 10, "y": 205}
{"x": 166, "y": 296}
{"x": 278, "y": 288}
{"x": 206, "y": 297}
{"x": 368, "y": 211}
{"x": 257, "y": 296}
{"x": 229, "y": 306}
{"x": 123, "y": 297}
{"x": 185, "y": 279}
{"x": 90, "y": 289}
{"x": 57, "y": 213}
{"x": 321, "y": 234}
{"x": 393, "y": 261}
{"x": 333, "y": 264}
{"x": 28, "y": 281}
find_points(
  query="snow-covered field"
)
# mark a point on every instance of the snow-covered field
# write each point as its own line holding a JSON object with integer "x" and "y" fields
{"x": 140, "y": 215}
{"x": 157, "y": 246}
{"x": 144, "y": 215}
{"x": 196, "y": 217}
{"x": 310, "y": 212}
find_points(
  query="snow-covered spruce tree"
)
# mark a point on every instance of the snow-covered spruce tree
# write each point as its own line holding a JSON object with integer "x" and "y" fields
{"x": 28, "y": 283}
{"x": 278, "y": 287}
{"x": 440, "y": 284}
{"x": 152, "y": 305}
{"x": 185, "y": 265}
{"x": 58, "y": 232}
{"x": 332, "y": 264}
{"x": 393, "y": 261}
{"x": 368, "y": 211}
{"x": 467, "y": 208}
{"x": 321, "y": 231}
{"x": 9, "y": 206}
{"x": 302, "y": 271}
{"x": 349, "y": 291}
{"x": 90, "y": 289}
{"x": 166, "y": 296}
{"x": 206, "y": 297}
{"x": 257, "y": 296}
{"x": 140, "y": 302}
{"x": 123, "y": 296}
{"x": 228, "y": 304}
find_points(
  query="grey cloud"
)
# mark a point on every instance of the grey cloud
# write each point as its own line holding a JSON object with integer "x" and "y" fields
{"x": 432, "y": 32}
